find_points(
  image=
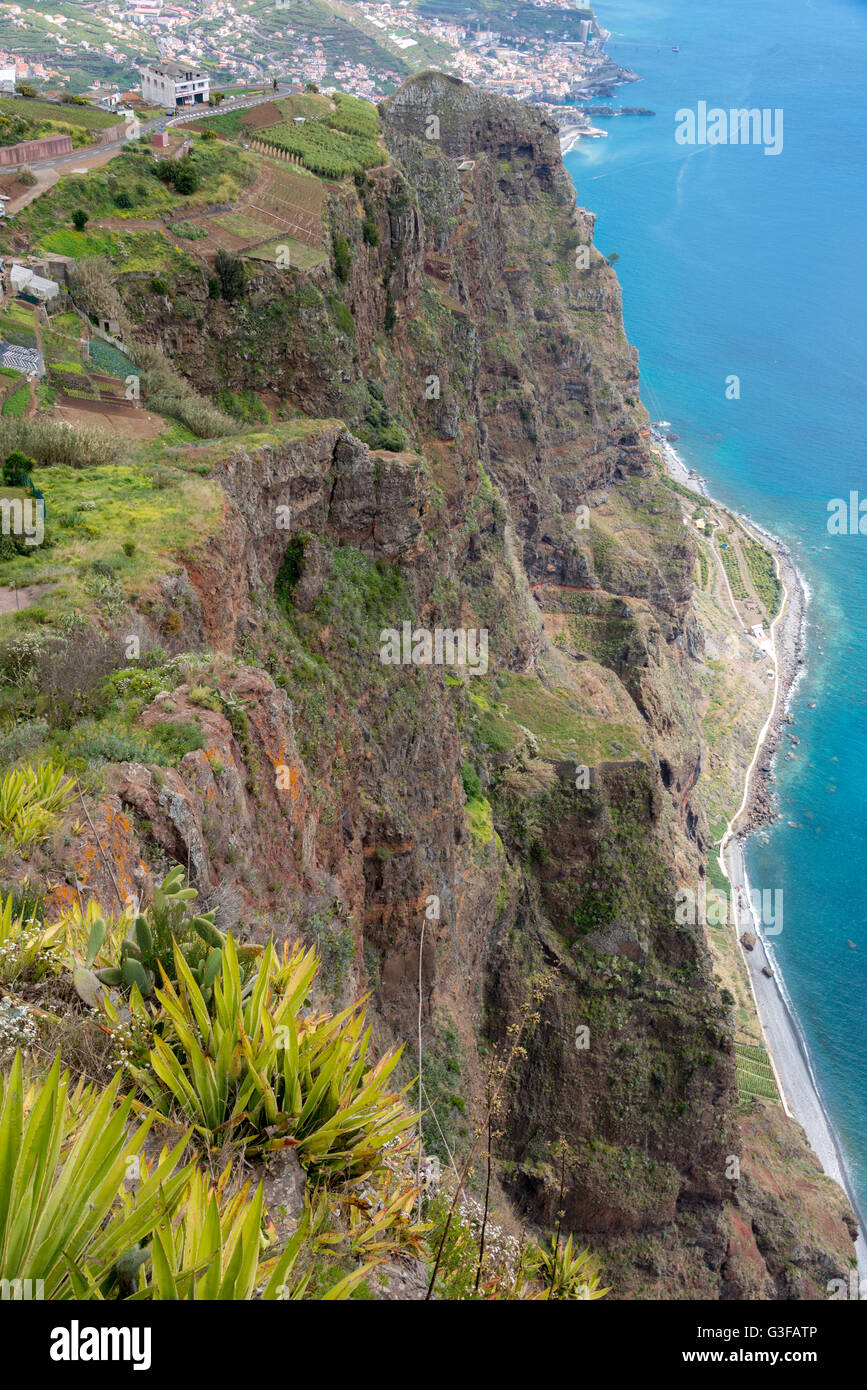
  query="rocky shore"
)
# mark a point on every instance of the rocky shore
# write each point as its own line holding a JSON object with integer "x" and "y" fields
{"x": 787, "y": 1048}
{"x": 789, "y": 639}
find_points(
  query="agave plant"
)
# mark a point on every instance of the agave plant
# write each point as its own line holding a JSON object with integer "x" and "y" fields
{"x": 31, "y": 799}
{"x": 257, "y": 1073}
{"x": 25, "y": 943}
{"x": 210, "y": 1248}
{"x": 566, "y": 1275}
{"x": 63, "y": 1160}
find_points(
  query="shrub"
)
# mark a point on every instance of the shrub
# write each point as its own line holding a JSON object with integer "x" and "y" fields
{"x": 79, "y": 219}
{"x": 122, "y": 199}
{"x": 565, "y": 1275}
{"x": 290, "y": 569}
{"x": 52, "y": 443}
{"x": 471, "y": 780}
{"x": 190, "y": 231}
{"x": 21, "y": 738}
{"x": 186, "y": 179}
{"x": 182, "y": 174}
{"x": 93, "y": 289}
{"x": 342, "y": 257}
{"x": 392, "y": 438}
{"x": 244, "y": 406}
{"x": 16, "y": 467}
{"x": 27, "y": 177}
{"x": 78, "y": 1226}
{"x": 68, "y": 674}
{"x": 175, "y": 738}
{"x": 169, "y": 394}
{"x": 210, "y": 1250}
{"x": 341, "y": 315}
{"x": 256, "y": 1072}
{"x": 230, "y": 273}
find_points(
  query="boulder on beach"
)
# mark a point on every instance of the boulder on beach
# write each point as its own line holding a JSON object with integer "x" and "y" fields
{"x": 748, "y": 941}
{"x": 767, "y": 972}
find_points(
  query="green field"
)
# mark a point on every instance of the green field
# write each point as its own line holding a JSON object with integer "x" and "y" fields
{"x": 87, "y": 116}
{"x": 109, "y": 360}
{"x": 732, "y": 569}
{"x": 324, "y": 150}
{"x": 763, "y": 572}
{"x": 229, "y": 123}
{"x": 16, "y": 404}
{"x": 755, "y": 1075}
{"x": 244, "y": 224}
{"x": 301, "y": 257}
{"x": 93, "y": 512}
{"x": 132, "y": 251}
{"x": 23, "y": 119}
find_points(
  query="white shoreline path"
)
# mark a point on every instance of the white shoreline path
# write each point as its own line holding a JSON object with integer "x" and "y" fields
{"x": 786, "y": 1045}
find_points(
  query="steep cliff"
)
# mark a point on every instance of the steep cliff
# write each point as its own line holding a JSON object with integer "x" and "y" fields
{"x": 463, "y": 447}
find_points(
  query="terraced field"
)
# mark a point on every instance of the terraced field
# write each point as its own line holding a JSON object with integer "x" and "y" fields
{"x": 282, "y": 207}
{"x": 331, "y": 153}
{"x": 755, "y": 1074}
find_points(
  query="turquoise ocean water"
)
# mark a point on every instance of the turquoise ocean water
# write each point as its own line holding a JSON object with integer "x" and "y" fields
{"x": 734, "y": 262}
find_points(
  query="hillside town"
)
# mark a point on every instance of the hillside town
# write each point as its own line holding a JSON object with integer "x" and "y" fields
{"x": 366, "y": 48}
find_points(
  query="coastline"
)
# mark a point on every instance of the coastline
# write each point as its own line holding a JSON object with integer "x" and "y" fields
{"x": 571, "y": 136}
{"x": 784, "y": 1038}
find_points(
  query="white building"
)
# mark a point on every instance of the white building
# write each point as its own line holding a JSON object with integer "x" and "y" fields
{"x": 26, "y": 281}
{"x": 7, "y": 79}
{"x": 174, "y": 84}
{"x": 107, "y": 98}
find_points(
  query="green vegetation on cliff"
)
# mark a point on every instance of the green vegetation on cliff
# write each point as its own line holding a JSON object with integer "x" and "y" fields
{"x": 433, "y": 423}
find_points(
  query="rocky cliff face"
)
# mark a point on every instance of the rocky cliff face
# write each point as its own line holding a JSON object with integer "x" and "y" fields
{"x": 549, "y": 804}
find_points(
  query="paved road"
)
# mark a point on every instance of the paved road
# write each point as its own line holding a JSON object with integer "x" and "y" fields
{"x": 789, "y": 1055}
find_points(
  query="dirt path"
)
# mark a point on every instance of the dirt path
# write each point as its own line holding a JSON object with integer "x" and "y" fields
{"x": 129, "y": 224}
{"x": 13, "y": 599}
{"x": 32, "y": 382}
